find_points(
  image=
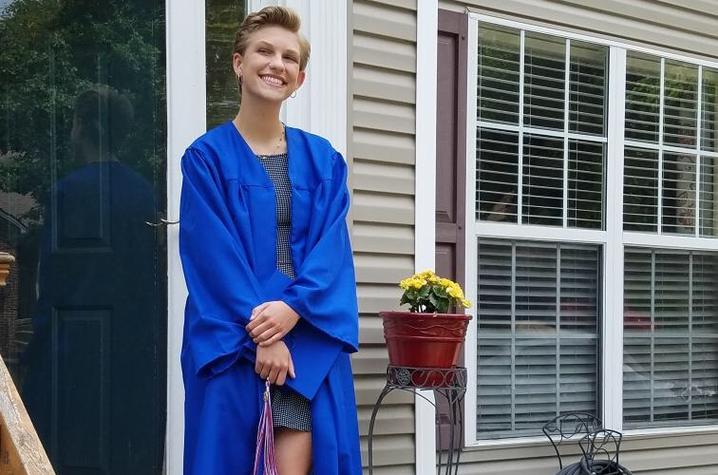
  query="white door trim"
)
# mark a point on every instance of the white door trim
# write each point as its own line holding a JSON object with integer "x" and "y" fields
{"x": 186, "y": 120}
{"x": 325, "y": 90}
{"x": 425, "y": 201}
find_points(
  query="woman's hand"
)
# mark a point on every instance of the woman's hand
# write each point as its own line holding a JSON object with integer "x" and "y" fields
{"x": 274, "y": 362}
{"x": 270, "y": 322}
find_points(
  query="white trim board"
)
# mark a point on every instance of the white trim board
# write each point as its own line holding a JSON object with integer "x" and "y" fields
{"x": 425, "y": 202}
{"x": 186, "y": 120}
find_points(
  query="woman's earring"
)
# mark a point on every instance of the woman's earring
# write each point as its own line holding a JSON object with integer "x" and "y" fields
{"x": 239, "y": 82}
{"x": 294, "y": 94}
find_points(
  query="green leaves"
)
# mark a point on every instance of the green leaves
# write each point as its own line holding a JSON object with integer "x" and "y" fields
{"x": 431, "y": 298}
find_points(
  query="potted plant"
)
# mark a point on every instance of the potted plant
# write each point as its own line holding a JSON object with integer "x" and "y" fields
{"x": 427, "y": 336}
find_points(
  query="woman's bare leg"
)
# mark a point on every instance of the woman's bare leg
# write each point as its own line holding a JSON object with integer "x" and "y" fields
{"x": 293, "y": 449}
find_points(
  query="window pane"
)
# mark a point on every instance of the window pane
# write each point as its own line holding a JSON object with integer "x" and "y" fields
{"x": 643, "y": 81}
{"x": 542, "y": 180}
{"x": 708, "y": 208}
{"x": 537, "y": 340}
{"x": 585, "y": 184}
{"x": 681, "y": 104}
{"x": 670, "y": 338}
{"x": 544, "y": 77}
{"x": 709, "y": 106}
{"x": 498, "y": 84}
{"x": 497, "y": 175}
{"x": 588, "y": 88}
{"x": 222, "y": 20}
{"x": 640, "y": 190}
{"x": 679, "y": 193}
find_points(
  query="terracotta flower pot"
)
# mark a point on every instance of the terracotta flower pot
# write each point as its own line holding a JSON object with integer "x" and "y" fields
{"x": 424, "y": 340}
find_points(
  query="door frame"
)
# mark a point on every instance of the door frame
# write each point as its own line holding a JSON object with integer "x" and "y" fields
{"x": 320, "y": 107}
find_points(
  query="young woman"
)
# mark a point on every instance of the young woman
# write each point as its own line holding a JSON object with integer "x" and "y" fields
{"x": 268, "y": 265}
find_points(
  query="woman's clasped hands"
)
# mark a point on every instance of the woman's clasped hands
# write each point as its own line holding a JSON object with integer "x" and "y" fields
{"x": 269, "y": 323}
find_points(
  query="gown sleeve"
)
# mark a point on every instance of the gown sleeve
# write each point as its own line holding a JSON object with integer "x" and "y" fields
{"x": 324, "y": 291}
{"x": 222, "y": 288}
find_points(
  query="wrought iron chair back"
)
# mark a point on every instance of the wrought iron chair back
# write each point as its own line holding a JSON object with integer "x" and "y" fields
{"x": 570, "y": 426}
{"x": 601, "y": 450}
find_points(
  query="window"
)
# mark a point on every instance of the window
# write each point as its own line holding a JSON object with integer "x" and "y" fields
{"x": 222, "y": 18}
{"x": 669, "y": 153}
{"x": 544, "y": 218}
{"x": 670, "y": 357}
{"x": 541, "y": 112}
{"x": 538, "y": 334}
{"x": 670, "y": 336}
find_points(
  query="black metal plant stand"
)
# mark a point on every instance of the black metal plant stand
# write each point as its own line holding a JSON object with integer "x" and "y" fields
{"x": 448, "y": 383}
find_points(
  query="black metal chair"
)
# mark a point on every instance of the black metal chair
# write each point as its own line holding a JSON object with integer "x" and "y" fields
{"x": 601, "y": 450}
{"x": 570, "y": 427}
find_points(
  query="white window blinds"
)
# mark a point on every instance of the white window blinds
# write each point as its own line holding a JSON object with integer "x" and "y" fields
{"x": 542, "y": 139}
{"x": 538, "y": 308}
{"x": 669, "y": 176}
{"x": 670, "y": 373}
{"x": 541, "y": 110}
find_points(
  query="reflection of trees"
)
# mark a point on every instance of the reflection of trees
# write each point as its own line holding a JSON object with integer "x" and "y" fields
{"x": 52, "y": 51}
{"x": 680, "y": 177}
{"x": 223, "y": 18}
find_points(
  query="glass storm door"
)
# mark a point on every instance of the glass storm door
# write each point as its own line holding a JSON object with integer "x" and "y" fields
{"x": 82, "y": 172}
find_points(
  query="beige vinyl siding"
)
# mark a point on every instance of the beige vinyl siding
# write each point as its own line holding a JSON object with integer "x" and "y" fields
{"x": 684, "y": 26}
{"x": 382, "y": 88}
{"x": 664, "y": 455}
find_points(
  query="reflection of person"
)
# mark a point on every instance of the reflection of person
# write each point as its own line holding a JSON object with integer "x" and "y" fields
{"x": 95, "y": 330}
{"x": 268, "y": 266}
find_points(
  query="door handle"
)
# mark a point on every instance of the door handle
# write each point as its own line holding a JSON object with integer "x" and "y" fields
{"x": 163, "y": 222}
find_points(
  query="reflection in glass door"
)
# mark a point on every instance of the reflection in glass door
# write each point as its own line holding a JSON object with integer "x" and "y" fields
{"x": 223, "y": 17}
{"x": 82, "y": 169}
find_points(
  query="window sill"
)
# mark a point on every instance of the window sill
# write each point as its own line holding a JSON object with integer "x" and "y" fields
{"x": 628, "y": 435}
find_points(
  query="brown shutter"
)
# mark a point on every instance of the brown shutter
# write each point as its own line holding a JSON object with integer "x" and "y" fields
{"x": 450, "y": 163}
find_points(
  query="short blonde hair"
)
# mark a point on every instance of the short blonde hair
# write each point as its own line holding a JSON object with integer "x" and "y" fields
{"x": 272, "y": 16}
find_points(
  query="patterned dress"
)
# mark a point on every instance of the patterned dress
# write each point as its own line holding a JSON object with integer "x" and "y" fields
{"x": 289, "y": 409}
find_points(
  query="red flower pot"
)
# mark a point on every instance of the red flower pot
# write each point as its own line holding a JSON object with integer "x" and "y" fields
{"x": 424, "y": 340}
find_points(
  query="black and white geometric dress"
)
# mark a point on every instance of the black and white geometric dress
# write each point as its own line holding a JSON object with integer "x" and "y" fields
{"x": 289, "y": 409}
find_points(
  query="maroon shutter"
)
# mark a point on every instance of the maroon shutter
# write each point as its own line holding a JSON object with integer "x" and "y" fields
{"x": 450, "y": 163}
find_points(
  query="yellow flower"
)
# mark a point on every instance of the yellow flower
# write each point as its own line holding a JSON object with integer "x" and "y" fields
{"x": 426, "y": 275}
{"x": 412, "y": 282}
{"x": 466, "y": 303}
{"x": 455, "y": 291}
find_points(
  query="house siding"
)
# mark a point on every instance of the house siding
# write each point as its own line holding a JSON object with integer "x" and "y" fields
{"x": 382, "y": 148}
{"x": 684, "y": 27}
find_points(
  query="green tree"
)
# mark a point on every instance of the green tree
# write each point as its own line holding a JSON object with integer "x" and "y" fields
{"x": 53, "y": 50}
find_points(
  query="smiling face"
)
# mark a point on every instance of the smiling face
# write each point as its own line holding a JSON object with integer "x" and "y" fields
{"x": 269, "y": 67}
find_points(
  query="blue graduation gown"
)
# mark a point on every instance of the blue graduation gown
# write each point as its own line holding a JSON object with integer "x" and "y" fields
{"x": 227, "y": 246}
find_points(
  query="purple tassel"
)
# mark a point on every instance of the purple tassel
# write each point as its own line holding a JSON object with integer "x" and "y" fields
{"x": 265, "y": 438}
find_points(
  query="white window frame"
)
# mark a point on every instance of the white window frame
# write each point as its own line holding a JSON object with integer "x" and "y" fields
{"x": 325, "y": 90}
{"x": 613, "y": 239}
